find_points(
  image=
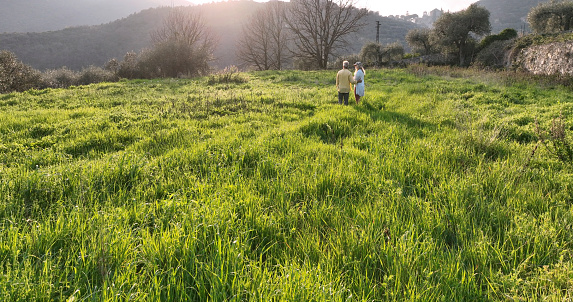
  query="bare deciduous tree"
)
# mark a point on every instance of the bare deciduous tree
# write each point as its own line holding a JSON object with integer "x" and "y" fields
{"x": 183, "y": 46}
{"x": 321, "y": 27}
{"x": 263, "y": 43}
{"x": 183, "y": 26}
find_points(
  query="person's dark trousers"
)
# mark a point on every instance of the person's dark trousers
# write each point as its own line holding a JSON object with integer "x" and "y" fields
{"x": 343, "y": 96}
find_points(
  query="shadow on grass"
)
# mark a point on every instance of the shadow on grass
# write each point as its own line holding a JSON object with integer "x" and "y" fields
{"x": 378, "y": 112}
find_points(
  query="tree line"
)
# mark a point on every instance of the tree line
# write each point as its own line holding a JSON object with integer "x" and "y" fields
{"x": 461, "y": 38}
{"x": 465, "y": 35}
{"x": 304, "y": 34}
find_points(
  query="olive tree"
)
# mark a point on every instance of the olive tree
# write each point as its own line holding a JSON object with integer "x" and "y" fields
{"x": 377, "y": 54}
{"x": 455, "y": 32}
{"x": 554, "y": 16}
{"x": 321, "y": 27}
{"x": 371, "y": 53}
{"x": 419, "y": 40}
{"x": 392, "y": 52}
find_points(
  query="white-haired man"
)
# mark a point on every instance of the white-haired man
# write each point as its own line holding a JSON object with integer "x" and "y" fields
{"x": 344, "y": 78}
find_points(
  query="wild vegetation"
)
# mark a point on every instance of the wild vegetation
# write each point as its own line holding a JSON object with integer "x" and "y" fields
{"x": 17, "y": 76}
{"x": 260, "y": 187}
{"x": 465, "y": 37}
{"x": 551, "y": 17}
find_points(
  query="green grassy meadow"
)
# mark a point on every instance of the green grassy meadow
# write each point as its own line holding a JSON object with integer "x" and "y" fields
{"x": 435, "y": 188}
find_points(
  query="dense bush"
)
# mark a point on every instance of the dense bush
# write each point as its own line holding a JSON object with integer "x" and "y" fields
{"x": 391, "y": 52}
{"x": 370, "y": 53}
{"x": 494, "y": 55}
{"x": 305, "y": 64}
{"x": 338, "y": 63}
{"x": 420, "y": 41}
{"x": 15, "y": 75}
{"x": 128, "y": 68}
{"x": 375, "y": 54}
{"x": 95, "y": 74}
{"x": 228, "y": 75}
{"x": 506, "y": 34}
{"x": 59, "y": 78}
{"x": 557, "y": 140}
{"x": 64, "y": 77}
{"x": 172, "y": 59}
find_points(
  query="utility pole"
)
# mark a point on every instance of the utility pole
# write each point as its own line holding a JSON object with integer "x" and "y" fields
{"x": 377, "y": 32}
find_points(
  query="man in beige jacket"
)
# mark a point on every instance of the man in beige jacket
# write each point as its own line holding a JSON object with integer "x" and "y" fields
{"x": 344, "y": 78}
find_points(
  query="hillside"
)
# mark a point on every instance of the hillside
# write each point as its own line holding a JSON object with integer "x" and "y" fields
{"x": 47, "y": 15}
{"x": 509, "y": 13}
{"x": 80, "y": 47}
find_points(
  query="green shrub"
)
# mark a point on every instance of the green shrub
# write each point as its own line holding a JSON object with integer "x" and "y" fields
{"x": 94, "y": 74}
{"x": 306, "y": 64}
{"x": 338, "y": 63}
{"x": 228, "y": 75}
{"x": 15, "y": 75}
{"x": 493, "y": 55}
{"x": 128, "y": 68}
{"x": 506, "y": 34}
{"x": 557, "y": 140}
{"x": 59, "y": 78}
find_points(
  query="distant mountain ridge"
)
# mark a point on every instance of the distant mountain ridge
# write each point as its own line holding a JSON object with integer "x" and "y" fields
{"x": 80, "y": 47}
{"x": 49, "y": 15}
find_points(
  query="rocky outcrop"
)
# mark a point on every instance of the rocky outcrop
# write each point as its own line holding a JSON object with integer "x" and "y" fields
{"x": 548, "y": 59}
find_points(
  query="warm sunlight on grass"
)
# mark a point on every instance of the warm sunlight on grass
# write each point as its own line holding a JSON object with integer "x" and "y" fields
{"x": 263, "y": 188}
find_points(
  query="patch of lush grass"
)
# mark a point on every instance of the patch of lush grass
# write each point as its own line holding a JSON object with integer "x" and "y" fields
{"x": 266, "y": 189}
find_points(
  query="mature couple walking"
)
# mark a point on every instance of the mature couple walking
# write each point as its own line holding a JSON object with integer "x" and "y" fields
{"x": 344, "y": 78}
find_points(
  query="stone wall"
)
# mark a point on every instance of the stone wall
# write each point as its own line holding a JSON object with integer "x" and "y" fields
{"x": 548, "y": 59}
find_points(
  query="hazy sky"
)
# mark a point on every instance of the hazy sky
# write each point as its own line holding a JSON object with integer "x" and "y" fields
{"x": 399, "y": 7}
